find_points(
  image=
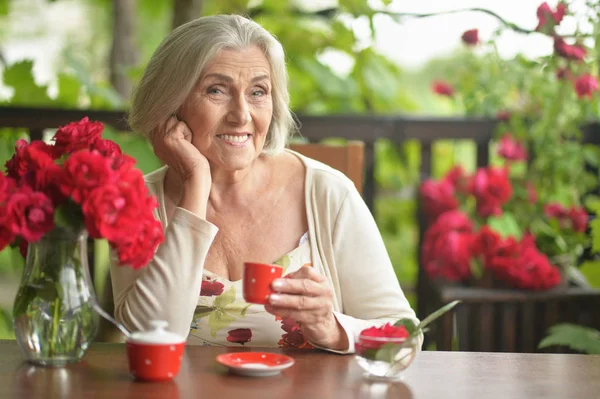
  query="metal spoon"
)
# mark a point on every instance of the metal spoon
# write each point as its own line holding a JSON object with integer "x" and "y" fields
{"x": 109, "y": 318}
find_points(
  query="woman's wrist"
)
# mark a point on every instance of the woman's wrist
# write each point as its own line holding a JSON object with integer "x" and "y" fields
{"x": 336, "y": 338}
{"x": 194, "y": 195}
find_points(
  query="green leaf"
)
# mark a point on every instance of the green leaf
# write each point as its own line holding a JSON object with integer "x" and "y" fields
{"x": 591, "y": 271}
{"x": 409, "y": 324}
{"x": 23, "y": 299}
{"x": 387, "y": 352}
{"x": 578, "y": 338}
{"x": 19, "y": 76}
{"x": 69, "y": 89}
{"x": 245, "y": 309}
{"x": 506, "y": 225}
{"x": 47, "y": 290}
{"x": 592, "y": 202}
{"x": 595, "y": 227}
{"x": 437, "y": 314}
{"x": 225, "y": 299}
{"x": 203, "y": 311}
{"x": 219, "y": 320}
{"x": 3, "y": 7}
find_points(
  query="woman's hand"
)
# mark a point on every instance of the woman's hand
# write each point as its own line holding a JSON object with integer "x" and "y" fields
{"x": 305, "y": 296}
{"x": 173, "y": 145}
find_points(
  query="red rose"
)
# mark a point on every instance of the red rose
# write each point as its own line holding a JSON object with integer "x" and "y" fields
{"x": 485, "y": 243}
{"x": 563, "y": 74}
{"x": 106, "y": 148}
{"x": 512, "y": 149}
{"x": 137, "y": 249}
{"x": 239, "y": 335}
{"x": 7, "y": 186}
{"x": 579, "y": 219}
{"x": 111, "y": 212}
{"x": 446, "y": 250}
{"x": 532, "y": 194}
{"x": 30, "y": 213}
{"x": 548, "y": 19}
{"x": 521, "y": 265}
{"x": 503, "y": 115}
{"x": 370, "y": 338}
{"x": 442, "y": 88}
{"x": 471, "y": 37}
{"x": 211, "y": 288}
{"x": 85, "y": 171}
{"x": 458, "y": 178}
{"x": 575, "y": 217}
{"x": 586, "y": 85}
{"x": 571, "y": 52}
{"x": 77, "y": 135}
{"x": 28, "y": 160}
{"x": 387, "y": 330}
{"x": 555, "y": 210}
{"x": 437, "y": 197}
{"x": 491, "y": 188}
{"x": 6, "y": 234}
{"x": 23, "y": 247}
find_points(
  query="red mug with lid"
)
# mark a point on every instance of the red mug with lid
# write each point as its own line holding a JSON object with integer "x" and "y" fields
{"x": 257, "y": 281}
{"x": 155, "y": 355}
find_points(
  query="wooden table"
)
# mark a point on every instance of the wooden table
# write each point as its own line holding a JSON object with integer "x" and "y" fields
{"x": 103, "y": 374}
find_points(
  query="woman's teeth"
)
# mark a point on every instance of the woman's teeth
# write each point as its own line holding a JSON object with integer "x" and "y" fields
{"x": 233, "y": 139}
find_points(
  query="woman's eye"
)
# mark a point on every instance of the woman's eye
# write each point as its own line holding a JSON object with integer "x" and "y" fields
{"x": 258, "y": 92}
{"x": 214, "y": 90}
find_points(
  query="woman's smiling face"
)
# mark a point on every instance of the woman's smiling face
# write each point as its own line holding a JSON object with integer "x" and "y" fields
{"x": 230, "y": 109}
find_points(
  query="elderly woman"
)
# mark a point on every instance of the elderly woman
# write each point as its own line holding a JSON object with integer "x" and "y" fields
{"x": 214, "y": 103}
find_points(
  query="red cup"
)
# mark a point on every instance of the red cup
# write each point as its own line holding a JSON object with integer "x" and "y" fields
{"x": 154, "y": 362}
{"x": 257, "y": 281}
{"x": 155, "y": 354}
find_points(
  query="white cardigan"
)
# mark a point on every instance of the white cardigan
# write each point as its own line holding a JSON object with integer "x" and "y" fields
{"x": 346, "y": 246}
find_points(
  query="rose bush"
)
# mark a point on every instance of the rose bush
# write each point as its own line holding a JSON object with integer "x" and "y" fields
{"x": 522, "y": 218}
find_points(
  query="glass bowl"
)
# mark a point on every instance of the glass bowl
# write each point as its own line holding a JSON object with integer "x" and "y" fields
{"x": 384, "y": 359}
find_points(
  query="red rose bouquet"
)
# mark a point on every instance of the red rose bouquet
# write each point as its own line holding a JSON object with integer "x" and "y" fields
{"x": 80, "y": 181}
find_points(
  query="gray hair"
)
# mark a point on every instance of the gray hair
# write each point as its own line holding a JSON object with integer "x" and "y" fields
{"x": 181, "y": 58}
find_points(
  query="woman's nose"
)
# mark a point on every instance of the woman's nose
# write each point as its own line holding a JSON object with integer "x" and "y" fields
{"x": 239, "y": 112}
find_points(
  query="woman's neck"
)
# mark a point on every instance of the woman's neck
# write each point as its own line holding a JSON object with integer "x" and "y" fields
{"x": 238, "y": 188}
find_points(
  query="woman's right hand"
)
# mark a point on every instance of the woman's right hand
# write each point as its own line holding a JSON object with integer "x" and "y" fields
{"x": 174, "y": 147}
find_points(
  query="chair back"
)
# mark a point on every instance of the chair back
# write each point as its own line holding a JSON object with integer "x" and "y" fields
{"x": 348, "y": 158}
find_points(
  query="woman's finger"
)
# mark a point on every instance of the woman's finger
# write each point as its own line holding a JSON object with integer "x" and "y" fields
{"x": 298, "y": 286}
{"x": 299, "y": 302}
{"x": 307, "y": 272}
{"x": 300, "y": 316}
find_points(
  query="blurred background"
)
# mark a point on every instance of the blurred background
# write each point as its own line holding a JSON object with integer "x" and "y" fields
{"x": 344, "y": 57}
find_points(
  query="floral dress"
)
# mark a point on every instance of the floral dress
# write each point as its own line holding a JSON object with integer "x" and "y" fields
{"x": 223, "y": 317}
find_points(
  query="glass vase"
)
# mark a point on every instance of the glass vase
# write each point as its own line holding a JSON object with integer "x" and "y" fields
{"x": 385, "y": 359}
{"x": 54, "y": 318}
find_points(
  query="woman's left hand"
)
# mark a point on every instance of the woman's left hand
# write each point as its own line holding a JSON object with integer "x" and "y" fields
{"x": 305, "y": 296}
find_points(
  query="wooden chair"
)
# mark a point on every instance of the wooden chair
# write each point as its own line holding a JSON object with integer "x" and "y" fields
{"x": 347, "y": 158}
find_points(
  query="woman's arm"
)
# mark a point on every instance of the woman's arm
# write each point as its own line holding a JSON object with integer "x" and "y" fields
{"x": 370, "y": 292}
{"x": 168, "y": 287}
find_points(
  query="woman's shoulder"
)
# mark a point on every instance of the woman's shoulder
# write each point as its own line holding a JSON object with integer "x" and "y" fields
{"x": 324, "y": 180}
